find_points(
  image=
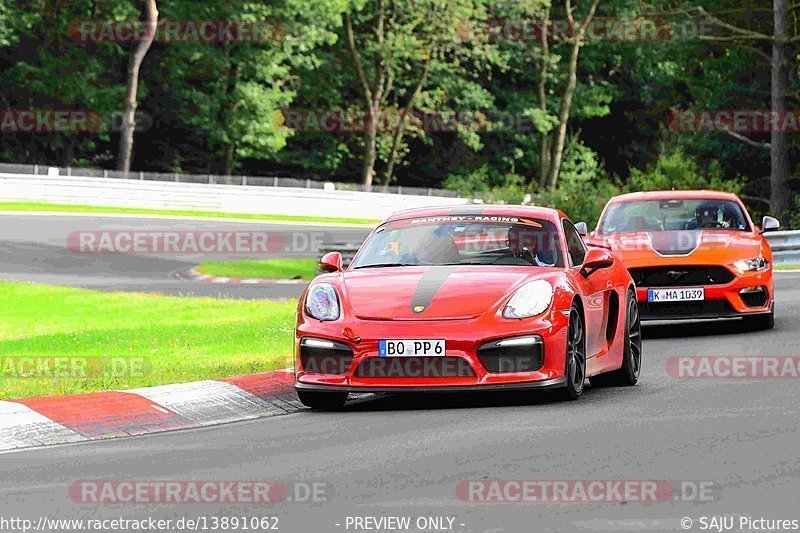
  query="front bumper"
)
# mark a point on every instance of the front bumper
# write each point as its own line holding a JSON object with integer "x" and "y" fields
{"x": 534, "y": 385}
{"x": 463, "y": 340}
{"x": 721, "y": 301}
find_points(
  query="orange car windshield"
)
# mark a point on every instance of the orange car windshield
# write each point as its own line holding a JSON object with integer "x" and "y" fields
{"x": 674, "y": 215}
{"x": 534, "y": 243}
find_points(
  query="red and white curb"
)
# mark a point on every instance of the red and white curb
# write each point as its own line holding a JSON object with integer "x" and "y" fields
{"x": 31, "y": 422}
{"x": 194, "y": 275}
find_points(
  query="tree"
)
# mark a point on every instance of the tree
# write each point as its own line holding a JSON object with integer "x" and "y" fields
{"x": 552, "y": 151}
{"x": 234, "y": 91}
{"x": 396, "y": 49}
{"x": 779, "y": 40}
{"x": 149, "y": 21}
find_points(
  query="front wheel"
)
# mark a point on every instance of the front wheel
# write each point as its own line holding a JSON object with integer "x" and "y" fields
{"x": 327, "y": 401}
{"x": 628, "y": 375}
{"x": 575, "y": 372}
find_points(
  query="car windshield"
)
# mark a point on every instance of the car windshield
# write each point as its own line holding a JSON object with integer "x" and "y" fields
{"x": 674, "y": 215}
{"x": 462, "y": 241}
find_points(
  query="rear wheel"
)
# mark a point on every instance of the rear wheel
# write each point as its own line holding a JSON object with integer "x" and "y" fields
{"x": 328, "y": 401}
{"x": 575, "y": 372}
{"x": 628, "y": 375}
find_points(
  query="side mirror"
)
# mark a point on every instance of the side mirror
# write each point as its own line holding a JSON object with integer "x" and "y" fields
{"x": 331, "y": 262}
{"x": 583, "y": 229}
{"x": 596, "y": 259}
{"x": 770, "y": 224}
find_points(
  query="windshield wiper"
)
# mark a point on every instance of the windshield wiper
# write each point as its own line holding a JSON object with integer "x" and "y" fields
{"x": 381, "y": 265}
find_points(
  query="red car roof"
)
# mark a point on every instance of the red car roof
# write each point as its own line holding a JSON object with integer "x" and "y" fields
{"x": 543, "y": 213}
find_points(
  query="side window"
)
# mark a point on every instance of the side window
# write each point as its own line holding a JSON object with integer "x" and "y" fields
{"x": 575, "y": 246}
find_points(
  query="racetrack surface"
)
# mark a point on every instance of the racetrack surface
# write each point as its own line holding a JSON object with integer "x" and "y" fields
{"x": 402, "y": 455}
{"x": 35, "y": 248}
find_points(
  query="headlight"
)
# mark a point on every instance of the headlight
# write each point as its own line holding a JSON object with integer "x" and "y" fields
{"x": 751, "y": 265}
{"x": 322, "y": 302}
{"x": 530, "y": 300}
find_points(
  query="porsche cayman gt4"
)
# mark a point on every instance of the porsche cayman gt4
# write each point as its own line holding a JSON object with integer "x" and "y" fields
{"x": 692, "y": 254}
{"x": 465, "y": 299}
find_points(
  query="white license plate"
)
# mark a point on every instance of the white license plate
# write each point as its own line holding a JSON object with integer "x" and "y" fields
{"x": 675, "y": 295}
{"x": 412, "y": 348}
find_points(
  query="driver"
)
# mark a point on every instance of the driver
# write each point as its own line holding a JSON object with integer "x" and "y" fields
{"x": 709, "y": 216}
{"x": 522, "y": 243}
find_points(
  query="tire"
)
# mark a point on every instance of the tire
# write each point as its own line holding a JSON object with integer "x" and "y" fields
{"x": 761, "y": 322}
{"x": 628, "y": 374}
{"x": 575, "y": 360}
{"x": 326, "y": 401}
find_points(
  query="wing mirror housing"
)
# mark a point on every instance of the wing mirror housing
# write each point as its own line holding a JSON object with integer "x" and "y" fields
{"x": 770, "y": 224}
{"x": 596, "y": 259}
{"x": 583, "y": 229}
{"x": 331, "y": 262}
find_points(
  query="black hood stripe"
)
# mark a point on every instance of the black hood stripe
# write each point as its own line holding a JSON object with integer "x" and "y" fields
{"x": 671, "y": 243}
{"x": 430, "y": 283}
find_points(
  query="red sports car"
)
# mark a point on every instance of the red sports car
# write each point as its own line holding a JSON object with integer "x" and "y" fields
{"x": 466, "y": 299}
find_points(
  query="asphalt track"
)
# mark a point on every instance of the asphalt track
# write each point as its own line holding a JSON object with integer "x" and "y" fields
{"x": 35, "y": 248}
{"x": 404, "y": 456}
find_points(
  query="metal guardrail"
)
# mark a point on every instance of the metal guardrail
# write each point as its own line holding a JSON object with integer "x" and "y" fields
{"x": 214, "y": 179}
{"x": 293, "y": 201}
{"x": 785, "y": 246}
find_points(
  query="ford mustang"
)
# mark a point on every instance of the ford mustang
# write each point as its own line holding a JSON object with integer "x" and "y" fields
{"x": 692, "y": 254}
{"x": 465, "y": 299}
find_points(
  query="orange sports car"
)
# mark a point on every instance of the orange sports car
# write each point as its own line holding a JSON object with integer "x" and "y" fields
{"x": 692, "y": 255}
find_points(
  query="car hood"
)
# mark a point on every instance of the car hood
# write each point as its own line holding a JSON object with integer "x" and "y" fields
{"x": 431, "y": 293}
{"x": 701, "y": 247}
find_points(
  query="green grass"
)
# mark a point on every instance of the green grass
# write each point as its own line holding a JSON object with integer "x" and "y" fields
{"x": 155, "y": 339}
{"x": 271, "y": 269}
{"x": 69, "y": 208}
{"x": 788, "y": 266}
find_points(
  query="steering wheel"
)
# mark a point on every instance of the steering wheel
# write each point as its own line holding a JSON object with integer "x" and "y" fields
{"x": 711, "y": 224}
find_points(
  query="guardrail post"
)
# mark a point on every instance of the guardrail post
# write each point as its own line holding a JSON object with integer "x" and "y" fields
{"x": 141, "y": 176}
{"x": 36, "y": 169}
{"x": 177, "y": 178}
{"x": 275, "y": 182}
{"x": 105, "y": 173}
{"x": 244, "y": 181}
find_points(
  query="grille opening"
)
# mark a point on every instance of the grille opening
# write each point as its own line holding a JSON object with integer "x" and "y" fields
{"x": 681, "y": 276}
{"x": 414, "y": 367}
{"x": 497, "y": 358}
{"x": 687, "y": 310}
{"x": 613, "y": 316}
{"x": 319, "y": 356}
{"x": 754, "y": 298}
